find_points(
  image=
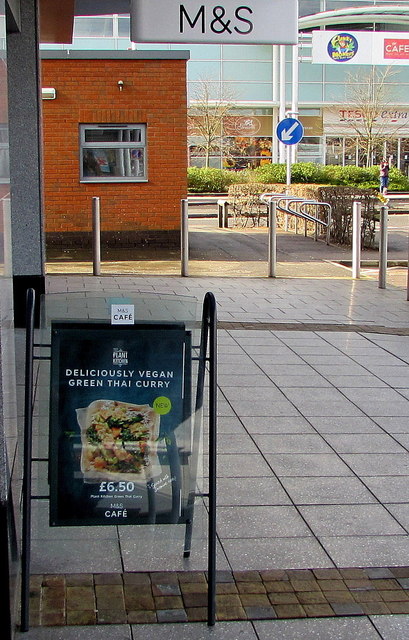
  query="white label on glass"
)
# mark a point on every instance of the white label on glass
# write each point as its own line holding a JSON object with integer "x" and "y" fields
{"x": 122, "y": 313}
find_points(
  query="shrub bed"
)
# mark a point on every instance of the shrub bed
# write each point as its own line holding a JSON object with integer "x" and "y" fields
{"x": 245, "y": 205}
{"x": 208, "y": 180}
{"x": 351, "y": 176}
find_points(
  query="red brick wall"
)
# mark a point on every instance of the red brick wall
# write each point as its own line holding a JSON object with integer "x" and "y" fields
{"x": 154, "y": 92}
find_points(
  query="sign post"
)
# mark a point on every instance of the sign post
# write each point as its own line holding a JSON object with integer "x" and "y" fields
{"x": 289, "y": 132}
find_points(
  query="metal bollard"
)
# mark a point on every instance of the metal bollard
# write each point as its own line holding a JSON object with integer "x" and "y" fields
{"x": 383, "y": 247}
{"x": 356, "y": 240}
{"x": 407, "y": 288}
{"x": 329, "y": 220}
{"x": 272, "y": 239}
{"x": 226, "y": 215}
{"x": 220, "y": 213}
{"x": 223, "y": 213}
{"x": 7, "y": 259}
{"x": 184, "y": 238}
{"x": 96, "y": 236}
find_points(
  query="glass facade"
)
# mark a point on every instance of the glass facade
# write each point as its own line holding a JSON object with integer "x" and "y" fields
{"x": 248, "y": 74}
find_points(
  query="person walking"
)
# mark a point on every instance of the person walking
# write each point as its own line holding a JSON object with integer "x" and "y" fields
{"x": 384, "y": 175}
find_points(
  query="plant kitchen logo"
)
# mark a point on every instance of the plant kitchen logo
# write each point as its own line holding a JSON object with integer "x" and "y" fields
{"x": 342, "y": 47}
{"x": 119, "y": 356}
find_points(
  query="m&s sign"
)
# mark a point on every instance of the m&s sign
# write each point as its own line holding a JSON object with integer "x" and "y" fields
{"x": 226, "y": 21}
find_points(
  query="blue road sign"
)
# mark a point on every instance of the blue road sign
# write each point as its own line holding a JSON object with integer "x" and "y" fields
{"x": 290, "y": 131}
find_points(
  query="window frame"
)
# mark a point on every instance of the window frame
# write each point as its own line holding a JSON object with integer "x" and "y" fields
{"x": 123, "y": 145}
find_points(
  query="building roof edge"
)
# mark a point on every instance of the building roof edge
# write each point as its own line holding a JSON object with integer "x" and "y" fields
{"x": 79, "y": 54}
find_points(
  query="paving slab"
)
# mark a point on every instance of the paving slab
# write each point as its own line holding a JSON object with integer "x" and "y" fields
{"x": 313, "y": 453}
{"x": 392, "y": 627}
{"x": 334, "y": 629}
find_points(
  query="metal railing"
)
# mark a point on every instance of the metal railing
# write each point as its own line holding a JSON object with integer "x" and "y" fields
{"x": 272, "y": 201}
{"x": 285, "y": 204}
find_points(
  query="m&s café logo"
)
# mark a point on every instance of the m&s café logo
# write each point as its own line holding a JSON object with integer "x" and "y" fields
{"x": 396, "y": 49}
{"x": 342, "y": 47}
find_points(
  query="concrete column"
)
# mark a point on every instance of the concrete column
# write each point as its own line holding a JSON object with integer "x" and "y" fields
{"x": 27, "y": 231}
{"x": 276, "y": 76}
{"x": 282, "y": 108}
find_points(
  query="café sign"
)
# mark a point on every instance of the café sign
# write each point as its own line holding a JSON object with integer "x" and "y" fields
{"x": 223, "y": 21}
{"x": 360, "y": 47}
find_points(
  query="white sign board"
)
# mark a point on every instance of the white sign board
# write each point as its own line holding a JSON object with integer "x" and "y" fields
{"x": 122, "y": 314}
{"x": 360, "y": 47}
{"x": 217, "y": 21}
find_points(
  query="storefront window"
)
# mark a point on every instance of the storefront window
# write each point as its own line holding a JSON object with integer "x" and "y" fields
{"x": 310, "y": 149}
{"x": 244, "y": 140}
{"x": 95, "y": 27}
{"x": 246, "y": 153}
{"x": 113, "y": 153}
{"x": 235, "y": 153}
{"x": 334, "y": 151}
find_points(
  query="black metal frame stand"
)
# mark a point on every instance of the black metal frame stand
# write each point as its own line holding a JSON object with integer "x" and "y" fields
{"x": 210, "y": 328}
{"x": 27, "y": 462}
{"x": 207, "y": 355}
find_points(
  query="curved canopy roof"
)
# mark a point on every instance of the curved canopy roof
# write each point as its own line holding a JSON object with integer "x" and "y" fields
{"x": 386, "y": 14}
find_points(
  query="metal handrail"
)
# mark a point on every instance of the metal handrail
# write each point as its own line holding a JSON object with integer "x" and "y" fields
{"x": 278, "y": 197}
{"x": 326, "y": 224}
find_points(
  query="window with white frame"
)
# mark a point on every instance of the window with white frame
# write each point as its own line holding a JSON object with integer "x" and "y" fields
{"x": 113, "y": 152}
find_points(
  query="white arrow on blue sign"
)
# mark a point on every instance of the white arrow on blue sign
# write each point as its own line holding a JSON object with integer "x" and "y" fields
{"x": 290, "y": 131}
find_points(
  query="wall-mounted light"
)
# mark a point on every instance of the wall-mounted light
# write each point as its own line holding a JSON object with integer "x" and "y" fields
{"x": 48, "y": 93}
{"x": 120, "y": 85}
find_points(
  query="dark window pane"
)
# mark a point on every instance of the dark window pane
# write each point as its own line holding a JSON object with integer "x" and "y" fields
{"x": 93, "y": 27}
{"x": 113, "y": 135}
{"x": 123, "y": 27}
{"x": 113, "y": 163}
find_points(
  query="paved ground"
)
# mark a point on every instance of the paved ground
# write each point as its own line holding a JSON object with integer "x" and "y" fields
{"x": 167, "y": 597}
{"x": 239, "y": 252}
{"x": 313, "y": 465}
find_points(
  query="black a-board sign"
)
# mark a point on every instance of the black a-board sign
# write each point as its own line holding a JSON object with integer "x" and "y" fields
{"x": 120, "y": 432}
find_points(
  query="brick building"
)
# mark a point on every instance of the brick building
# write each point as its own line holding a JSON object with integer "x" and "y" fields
{"x": 114, "y": 126}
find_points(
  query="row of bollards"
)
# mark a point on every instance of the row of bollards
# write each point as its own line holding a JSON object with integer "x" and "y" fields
{"x": 383, "y": 244}
{"x": 272, "y": 239}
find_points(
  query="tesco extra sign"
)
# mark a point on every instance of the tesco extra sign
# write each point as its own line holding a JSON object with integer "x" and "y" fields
{"x": 223, "y": 21}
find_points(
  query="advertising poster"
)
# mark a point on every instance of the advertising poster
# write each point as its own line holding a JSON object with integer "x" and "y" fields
{"x": 120, "y": 404}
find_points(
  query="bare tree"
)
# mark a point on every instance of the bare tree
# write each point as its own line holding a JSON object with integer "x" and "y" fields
{"x": 368, "y": 97}
{"x": 206, "y": 115}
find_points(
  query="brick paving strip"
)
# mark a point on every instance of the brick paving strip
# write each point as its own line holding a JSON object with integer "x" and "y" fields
{"x": 132, "y": 598}
{"x": 311, "y": 326}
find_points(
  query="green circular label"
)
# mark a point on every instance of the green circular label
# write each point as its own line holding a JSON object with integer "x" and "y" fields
{"x": 162, "y": 405}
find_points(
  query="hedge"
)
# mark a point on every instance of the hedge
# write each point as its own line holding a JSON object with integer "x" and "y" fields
{"x": 203, "y": 180}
